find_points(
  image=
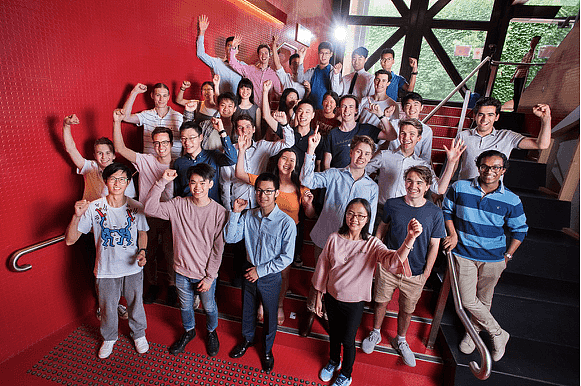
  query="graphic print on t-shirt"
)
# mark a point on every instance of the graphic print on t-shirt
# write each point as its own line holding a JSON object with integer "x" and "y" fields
{"x": 107, "y": 233}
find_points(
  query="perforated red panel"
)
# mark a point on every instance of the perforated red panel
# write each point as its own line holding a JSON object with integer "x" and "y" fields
{"x": 60, "y": 57}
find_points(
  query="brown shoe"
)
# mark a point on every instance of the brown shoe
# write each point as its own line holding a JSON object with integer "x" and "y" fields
{"x": 306, "y": 330}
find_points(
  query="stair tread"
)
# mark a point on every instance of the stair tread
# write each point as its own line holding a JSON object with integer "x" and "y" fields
{"x": 542, "y": 289}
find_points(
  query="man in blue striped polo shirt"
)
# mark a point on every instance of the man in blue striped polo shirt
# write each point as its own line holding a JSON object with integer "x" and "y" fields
{"x": 475, "y": 214}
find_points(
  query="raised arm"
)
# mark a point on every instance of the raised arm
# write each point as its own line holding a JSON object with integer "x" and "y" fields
{"x": 308, "y": 177}
{"x": 216, "y": 81}
{"x": 241, "y": 173}
{"x": 307, "y": 202}
{"x": 337, "y": 79}
{"x": 152, "y": 205}
{"x": 203, "y": 24}
{"x": 387, "y": 132}
{"x": 453, "y": 156}
{"x": 275, "y": 57}
{"x": 234, "y": 230}
{"x": 272, "y": 123}
{"x": 544, "y": 139}
{"x": 409, "y": 87}
{"x": 120, "y": 147}
{"x": 70, "y": 145}
{"x": 72, "y": 234}
{"x": 139, "y": 88}
{"x": 301, "y": 76}
{"x": 180, "y": 97}
{"x": 234, "y": 63}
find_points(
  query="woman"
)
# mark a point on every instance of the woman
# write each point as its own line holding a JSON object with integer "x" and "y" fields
{"x": 290, "y": 199}
{"x": 207, "y": 108}
{"x": 246, "y": 105}
{"x": 344, "y": 274}
{"x": 326, "y": 119}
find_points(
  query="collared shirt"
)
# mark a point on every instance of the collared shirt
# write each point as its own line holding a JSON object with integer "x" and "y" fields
{"x": 214, "y": 158}
{"x": 391, "y": 165}
{"x": 424, "y": 146}
{"x": 480, "y": 219}
{"x": 317, "y": 90}
{"x": 270, "y": 240}
{"x": 397, "y": 82}
{"x": 150, "y": 119}
{"x": 229, "y": 78}
{"x": 341, "y": 189}
{"x": 257, "y": 76}
{"x": 502, "y": 140}
{"x": 363, "y": 85}
{"x": 288, "y": 81}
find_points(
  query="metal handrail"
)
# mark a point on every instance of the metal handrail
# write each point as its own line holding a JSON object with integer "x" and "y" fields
{"x": 481, "y": 372}
{"x": 445, "y": 100}
{"x": 35, "y": 247}
{"x": 496, "y": 63}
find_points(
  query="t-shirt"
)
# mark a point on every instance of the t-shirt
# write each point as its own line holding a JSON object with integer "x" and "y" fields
{"x": 95, "y": 186}
{"x": 149, "y": 119}
{"x": 398, "y": 213}
{"x": 289, "y": 203}
{"x": 325, "y": 124}
{"x": 337, "y": 142}
{"x": 115, "y": 231}
{"x": 150, "y": 170}
{"x": 301, "y": 144}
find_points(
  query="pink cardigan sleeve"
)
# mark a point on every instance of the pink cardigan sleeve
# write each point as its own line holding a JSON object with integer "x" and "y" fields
{"x": 391, "y": 261}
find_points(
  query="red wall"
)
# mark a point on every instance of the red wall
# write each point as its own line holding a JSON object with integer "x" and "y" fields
{"x": 61, "y": 57}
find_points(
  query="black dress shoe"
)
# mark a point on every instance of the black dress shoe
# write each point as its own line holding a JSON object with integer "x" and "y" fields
{"x": 268, "y": 362}
{"x": 240, "y": 349}
{"x": 180, "y": 345}
{"x": 212, "y": 344}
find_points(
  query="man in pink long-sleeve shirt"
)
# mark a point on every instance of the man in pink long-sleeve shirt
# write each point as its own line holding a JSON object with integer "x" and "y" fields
{"x": 258, "y": 73}
{"x": 197, "y": 222}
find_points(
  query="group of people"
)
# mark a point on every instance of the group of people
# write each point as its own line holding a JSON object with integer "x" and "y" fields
{"x": 230, "y": 171}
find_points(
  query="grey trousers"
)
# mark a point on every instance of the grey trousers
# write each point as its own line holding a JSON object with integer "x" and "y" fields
{"x": 109, "y": 292}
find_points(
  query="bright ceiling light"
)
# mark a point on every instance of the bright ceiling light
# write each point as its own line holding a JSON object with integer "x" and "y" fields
{"x": 340, "y": 33}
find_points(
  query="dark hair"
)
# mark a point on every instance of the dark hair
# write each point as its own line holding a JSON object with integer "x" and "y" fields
{"x": 423, "y": 171}
{"x": 492, "y": 153}
{"x": 383, "y": 72}
{"x": 161, "y": 130}
{"x": 293, "y": 56}
{"x": 361, "y": 51}
{"x": 203, "y": 170}
{"x": 325, "y": 45}
{"x": 264, "y": 46}
{"x": 114, "y": 168}
{"x": 190, "y": 125}
{"x": 344, "y": 230}
{"x": 211, "y": 84}
{"x": 268, "y": 177}
{"x": 349, "y": 96}
{"x": 104, "y": 141}
{"x": 387, "y": 51}
{"x": 245, "y": 82}
{"x": 414, "y": 96}
{"x": 243, "y": 117}
{"x": 306, "y": 102}
{"x": 412, "y": 122}
{"x": 487, "y": 101}
{"x": 333, "y": 95}
{"x": 282, "y": 102}
{"x": 227, "y": 95}
{"x": 272, "y": 167}
{"x": 160, "y": 85}
{"x": 228, "y": 40}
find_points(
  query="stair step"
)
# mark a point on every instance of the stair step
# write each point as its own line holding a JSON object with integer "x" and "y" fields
{"x": 444, "y": 110}
{"x": 524, "y": 174}
{"x": 538, "y": 288}
{"x": 543, "y": 211}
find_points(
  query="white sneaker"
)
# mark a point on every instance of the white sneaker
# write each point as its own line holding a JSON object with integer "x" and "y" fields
{"x": 404, "y": 350}
{"x": 467, "y": 345}
{"x": 369, "y": 343}
{"x": 122, "y": 312}
{"x": 499, "y": 344}
{"x": 327, "y": 372}
{"x": 106, "y": 349}
{"x": 342, "y": 381}
{"x": 141, "y": 345}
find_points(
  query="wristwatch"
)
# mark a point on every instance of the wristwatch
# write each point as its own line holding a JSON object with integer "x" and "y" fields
{"x": 142, "y": 249}
{"x": 222, "y": 131}
{"x": 507, "y": 256}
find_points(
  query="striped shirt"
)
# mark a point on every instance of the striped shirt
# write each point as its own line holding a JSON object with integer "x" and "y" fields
{"x": 149, "y": 119}
{"x": 480, "y": 219}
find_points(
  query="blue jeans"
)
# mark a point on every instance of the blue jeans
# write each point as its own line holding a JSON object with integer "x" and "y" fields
{"x": 187, "y": 288}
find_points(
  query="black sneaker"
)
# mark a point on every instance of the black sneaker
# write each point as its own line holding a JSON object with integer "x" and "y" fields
{"x": 180, "y": 346}
{"x": 212, "y": 343}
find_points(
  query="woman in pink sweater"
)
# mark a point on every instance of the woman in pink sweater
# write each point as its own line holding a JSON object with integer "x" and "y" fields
{"x": 344, "y": 274}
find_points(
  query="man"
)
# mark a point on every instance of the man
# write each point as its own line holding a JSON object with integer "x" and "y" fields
{"x": 151, "y": 169}
{"x": 412, "y": 105}
{"x": 229, "y": 78}
{"x": 380, "y": 98}
{"x": 397, "y": 214}
{"x": 359, "y": 82}
{"x": 319, "y": 77}
{"x": 476, "y": 213}
{"x": 269, "y": 235}
{"x": 398, "y": 82}
{"x": 226, "y": 108}
{"x": 335, "y": 148}
{"x": 392, "y": 164}
{"x": 520, "y": 74}
{"x": 120, "y": 231}
{"x": 288, "y": 80}
{"x": 191, "y": 138}
{"x": 258, "y": 73}
{"x": 486, "y": 137}
{"x": 342, "y": 185}
{"x": 197, "y": 223}
{"x": 160, "y": 116}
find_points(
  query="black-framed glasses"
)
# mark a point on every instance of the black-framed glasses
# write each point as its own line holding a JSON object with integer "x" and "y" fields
{"x": 267, "y": 192}
{"x": 161, "y": 143}
{"x": 359, "y": 217}
{"x": 494, "y": 168}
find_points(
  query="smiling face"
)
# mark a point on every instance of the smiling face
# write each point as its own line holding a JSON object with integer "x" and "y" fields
{"x": 412, "y": 108}
{"x": 356, "y": 217}
{"x": 263, "y": 56}
{"x": 294, "y": 66}
{"x": 329, "y": 105}
{"x": 226, "y": 108}
{"x": 415, "y": 186}
{"x": 325, "y": 56}
{"x": 386, "y": 61}
{"x": 160, "y": 97}
{"x": 490, "y": 170}
{"x": 266, "y": 195}
{"x": 104, "y": 156}
{"x": 485, "y": 118}
{"x": 207, "y": 92}
{"x": 358, "y": 62}
{"x": 245, "y": 92}
{"x": 408, "y": 138}
{"x": 117, "y": 183}
{"x": 287, "y": 163}
{"x": 360, "y": 155}
{"x": 191, "y": 141}
{"x": 381, "y": 82}
{"x": 199, "y": 186}
{"x": 348, "y": 110}
{"x": 162, "y": 144}
{"x": 244, "y": 127}
{"x": 305, "y": 114}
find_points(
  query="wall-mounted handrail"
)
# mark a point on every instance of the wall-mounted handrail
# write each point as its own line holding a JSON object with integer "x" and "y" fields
{"x": 35, "y": 247}
{"x": 481, "y": 371}
{"x": 445, "y": 100}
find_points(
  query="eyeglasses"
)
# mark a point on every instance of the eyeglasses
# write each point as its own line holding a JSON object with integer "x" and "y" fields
{"x": 163, "y": 143}
{"x": 191, "y": 139}
{"x": 494, "y": 168}
{"x": 122, "y": 180}
{"x": 359, "y": 217}
{"x": 267, "y": 192}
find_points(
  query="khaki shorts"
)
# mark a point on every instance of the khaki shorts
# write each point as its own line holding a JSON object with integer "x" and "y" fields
{"x": 410, "y": 288}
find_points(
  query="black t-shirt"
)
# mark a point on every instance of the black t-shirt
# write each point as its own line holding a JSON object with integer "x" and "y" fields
{"x": 337, "y": 142}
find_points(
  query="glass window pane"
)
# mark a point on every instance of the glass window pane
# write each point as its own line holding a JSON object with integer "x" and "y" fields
{"x": 374, "y": 8}
{"x": 479, "y": 10}
{"x": 370, "y": 38}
